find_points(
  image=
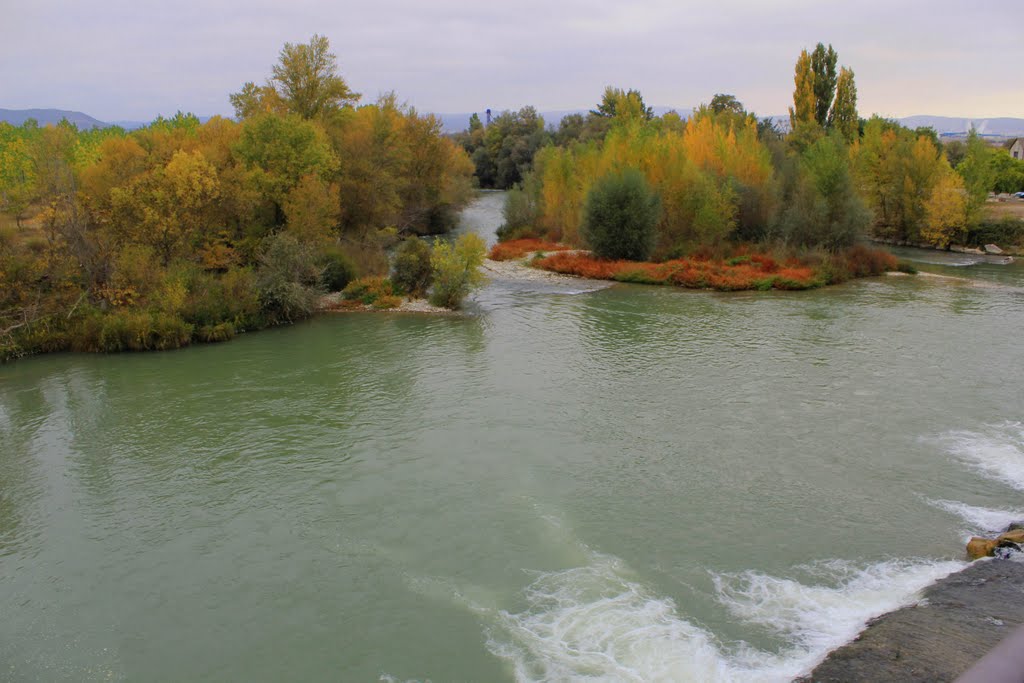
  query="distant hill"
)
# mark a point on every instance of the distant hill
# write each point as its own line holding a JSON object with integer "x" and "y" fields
{"x": 453, "y": 123}
{"x": 945, "y": 125}
{"x": 45, "y": 117}
{"x": 17, "y": 117}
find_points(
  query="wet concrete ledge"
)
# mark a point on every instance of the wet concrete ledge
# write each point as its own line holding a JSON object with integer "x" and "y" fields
{"x": 960, "y": 619}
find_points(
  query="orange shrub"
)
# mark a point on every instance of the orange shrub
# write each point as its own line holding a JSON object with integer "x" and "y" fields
{"x": 742, "y": 272}
{"x": 513, "y": 249}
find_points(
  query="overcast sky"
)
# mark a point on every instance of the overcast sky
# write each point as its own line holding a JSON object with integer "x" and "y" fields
{"x": 133, "y": 59}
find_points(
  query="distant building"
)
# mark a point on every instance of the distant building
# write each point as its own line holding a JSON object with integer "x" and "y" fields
{"x": 1017, "y": 149}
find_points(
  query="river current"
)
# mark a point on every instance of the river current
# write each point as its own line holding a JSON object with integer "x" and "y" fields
{"x": 570, "y": 483}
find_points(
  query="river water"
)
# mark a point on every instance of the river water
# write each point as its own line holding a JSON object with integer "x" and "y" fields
{"x": 621, "y": 484}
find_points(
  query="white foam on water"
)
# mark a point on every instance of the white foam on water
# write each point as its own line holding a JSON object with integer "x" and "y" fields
{"x": 599, "y": 623}
{"x": 997, "y": 453}
{"x": 818, "y": 617}
{"x": 980, "y": 519}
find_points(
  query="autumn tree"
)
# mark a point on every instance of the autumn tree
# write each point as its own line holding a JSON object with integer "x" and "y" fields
{"x": 305, "y": 82}
{"x": 945, "y": 210}
{"x": 311, "y": 209}
{"x": 804, "y": 109}
{"x": 165, "y": 208}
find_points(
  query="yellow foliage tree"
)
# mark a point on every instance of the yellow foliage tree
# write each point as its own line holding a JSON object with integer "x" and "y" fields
{"x": 946, "y": 209}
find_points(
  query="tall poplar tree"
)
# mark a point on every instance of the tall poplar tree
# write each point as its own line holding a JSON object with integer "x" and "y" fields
{"x": 823, "y": 64}
{"x": 804, "y": 103}
{"x": 843, "y": 117}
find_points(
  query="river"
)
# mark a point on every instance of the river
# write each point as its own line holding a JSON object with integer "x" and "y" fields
{"x": 622, "y": 484}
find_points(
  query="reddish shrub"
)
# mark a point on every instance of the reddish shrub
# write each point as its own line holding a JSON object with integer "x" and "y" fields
{"x": 862, "y": 261}
{"x": 513, "y": 249}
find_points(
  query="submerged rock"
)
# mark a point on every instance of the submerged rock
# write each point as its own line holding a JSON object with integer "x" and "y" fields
{"x": 961, "y": 618}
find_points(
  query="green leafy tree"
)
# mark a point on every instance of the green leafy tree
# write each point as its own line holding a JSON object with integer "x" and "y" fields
{"x": 456, "y": 270}
{"x": 612, "y": 99}
{"x": 978, "y": 175}
{"x": 722, "y": 102}
{"x": 620, "y": 215}
{"x": 823, "y": 65}
{"x": 843, "y": 116}
{"x": 411, "y": 270}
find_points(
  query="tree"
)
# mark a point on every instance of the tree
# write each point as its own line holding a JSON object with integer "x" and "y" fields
{"x": 978, "y": 175}
{"x": 726, "y": 103}
{"x": 165, "y": 208}
{"x": 945, "y": 210}
{"x": 279, "y": 151}
{"x": 411, "y": 270}
{"x": 843, "y": 115}
{"x": 612, "y": 99}
{"x": 311, "y": 209}
{"x": 620, "y": 215}
{"x": 475, "y": 123}
{"x": 305, "y": 82}
{"x": 804, "y": 106}
{"x": 823, "y": 65}
{"x": 456, "y": 269}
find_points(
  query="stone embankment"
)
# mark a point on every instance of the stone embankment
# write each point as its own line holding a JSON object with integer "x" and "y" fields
{"x": 959, "y": 620}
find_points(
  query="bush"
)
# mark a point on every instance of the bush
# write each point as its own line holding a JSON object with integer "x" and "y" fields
{"x": 387, "y": 301}
{"x": 411, "y": 271}
{"x": 288, "y": 279}
{"x": 368, "y": 289}
{"x": 142, "y": 331}
{"x": 338, "y": 269}
{"x": 456, "y": 270}
{"x": 620, "y": 215}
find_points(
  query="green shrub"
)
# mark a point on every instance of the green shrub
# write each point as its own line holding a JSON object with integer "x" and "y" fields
{"x": 339, "y": 269}
{"x": 142, "y": 331}
{"x": 411, "y": 271}
{"x": 216, "y": 333}
{"x": 456, "y": 270}
{"x": 619, "y": 216}
{"x": 906, "y": 267}
{"x": 288, "y": 279}
{"x": 520, "y": 212}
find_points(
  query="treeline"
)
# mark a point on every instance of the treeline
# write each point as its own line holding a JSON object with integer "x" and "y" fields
{"x": 724, "y": 175}
{"x": 184, "y": 231}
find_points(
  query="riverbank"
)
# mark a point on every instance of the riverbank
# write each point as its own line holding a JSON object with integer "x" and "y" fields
{"x": 957, "y": 621}
{"x": 958, "y": 249}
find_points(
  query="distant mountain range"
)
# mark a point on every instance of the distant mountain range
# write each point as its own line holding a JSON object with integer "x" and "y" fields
{"x": 944, "y": 125}
{"x": 45, "y": 117}
{"x": 1004, "y": 127}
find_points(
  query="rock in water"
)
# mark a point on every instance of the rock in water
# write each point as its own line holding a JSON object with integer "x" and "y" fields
{"x": 992, "y": 249}
{"x": 980, "y": 547}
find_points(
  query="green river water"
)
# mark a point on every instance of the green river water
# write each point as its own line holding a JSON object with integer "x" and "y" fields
{"x": 570, "y": 483}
